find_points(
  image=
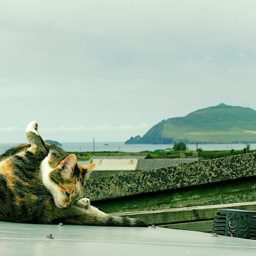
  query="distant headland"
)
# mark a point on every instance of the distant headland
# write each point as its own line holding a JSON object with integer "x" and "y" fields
{"x": 217, "y": 124}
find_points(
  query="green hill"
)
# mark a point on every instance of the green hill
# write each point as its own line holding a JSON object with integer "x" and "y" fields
{"x": 217, "y": 124}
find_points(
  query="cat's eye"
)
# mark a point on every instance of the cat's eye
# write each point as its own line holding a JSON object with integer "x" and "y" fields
{"x": 67, "y": 194}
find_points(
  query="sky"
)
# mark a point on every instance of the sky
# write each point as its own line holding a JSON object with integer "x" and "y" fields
{"x": 111, "y": 69}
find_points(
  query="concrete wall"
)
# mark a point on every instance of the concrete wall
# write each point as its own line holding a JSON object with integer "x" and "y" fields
{"x": 153, "y": 164}
{"x": 183, "y": 175}
{"x": 131, "y": 163}
{"x": 115, "y": 164}
{"x": 110, "y": 166}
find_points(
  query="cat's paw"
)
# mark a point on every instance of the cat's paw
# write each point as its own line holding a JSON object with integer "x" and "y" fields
{"x": 84, "y": 202}
{"x": 32, "y": 127}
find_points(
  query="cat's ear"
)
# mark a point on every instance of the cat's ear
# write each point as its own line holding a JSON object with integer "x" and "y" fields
{"x": 87, "y": 169}
{"x": 67, "y": 165}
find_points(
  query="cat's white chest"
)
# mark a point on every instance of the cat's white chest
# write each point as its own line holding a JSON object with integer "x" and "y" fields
{"x": 46, "y": 169}
{"x": 45, "y": 173}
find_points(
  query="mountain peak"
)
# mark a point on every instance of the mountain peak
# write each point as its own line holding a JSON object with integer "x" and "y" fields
{"x": 222, "y": 105}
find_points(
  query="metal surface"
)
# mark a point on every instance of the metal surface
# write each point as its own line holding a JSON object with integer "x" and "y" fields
{"x": 236, "y": 223}
{"x": 27, "y": 239}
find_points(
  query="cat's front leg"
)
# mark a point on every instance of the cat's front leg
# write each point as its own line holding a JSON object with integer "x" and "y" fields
{"x": 90, "y": 216}
{"x": 83, "y": 202}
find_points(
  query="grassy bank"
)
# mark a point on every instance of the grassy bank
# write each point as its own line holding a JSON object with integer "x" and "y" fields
{"x": 85, "y": 156}
{"x": 165, "y": 154}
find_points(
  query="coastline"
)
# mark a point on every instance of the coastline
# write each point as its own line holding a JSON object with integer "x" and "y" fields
{"x": 122, "y": 147}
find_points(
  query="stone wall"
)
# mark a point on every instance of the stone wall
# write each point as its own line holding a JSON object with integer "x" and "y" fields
{"x": 180, "y": 176}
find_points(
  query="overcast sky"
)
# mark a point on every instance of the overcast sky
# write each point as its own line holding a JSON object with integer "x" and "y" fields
{"x": 111, "y": 69}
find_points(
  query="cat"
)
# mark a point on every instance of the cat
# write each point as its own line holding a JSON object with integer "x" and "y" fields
{"x": 41, "y": 183}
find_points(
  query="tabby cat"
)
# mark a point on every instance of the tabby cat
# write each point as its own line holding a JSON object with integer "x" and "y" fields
{"x": 41, "y": 183}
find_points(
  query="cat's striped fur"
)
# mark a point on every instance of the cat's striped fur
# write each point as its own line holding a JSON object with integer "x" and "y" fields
{"x": 41, "y": 183}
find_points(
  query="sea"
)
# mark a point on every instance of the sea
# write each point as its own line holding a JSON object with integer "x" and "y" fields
{"x": 121, "y": 147}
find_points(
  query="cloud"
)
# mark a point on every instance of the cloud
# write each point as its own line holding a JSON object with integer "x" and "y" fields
{"x": 10, "y": 129}
{"x": 75, "y": 65}
{"x": 77, "y": 133}
{"x": 102, "y": 128}
{"x": 105, "y": 127}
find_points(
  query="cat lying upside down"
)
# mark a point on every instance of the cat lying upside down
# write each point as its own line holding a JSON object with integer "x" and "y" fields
{"x": 41, "y": 183}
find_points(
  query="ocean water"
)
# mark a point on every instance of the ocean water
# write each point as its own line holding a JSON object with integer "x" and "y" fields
{"x": 120, "y": 146}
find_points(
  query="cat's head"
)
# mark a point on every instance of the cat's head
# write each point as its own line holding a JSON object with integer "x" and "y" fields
{"x": 67, "y": 179}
